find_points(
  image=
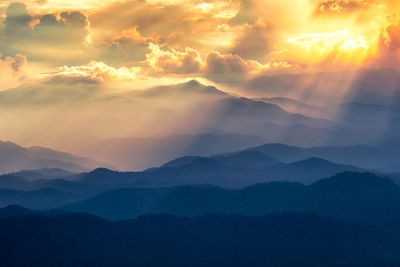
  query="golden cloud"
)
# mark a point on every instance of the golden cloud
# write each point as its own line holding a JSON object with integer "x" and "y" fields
{"x": 174, "y": 61}
{"x": 215, "y": 66}
{"x": 217, "y": 39}
{"x": 12, "y": 70}
{"x": 92, "y": 72}
{"x": 343, "y": 6}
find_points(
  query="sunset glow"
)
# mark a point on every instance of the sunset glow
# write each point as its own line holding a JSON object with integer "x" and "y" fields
{"x": 88, "y": 48}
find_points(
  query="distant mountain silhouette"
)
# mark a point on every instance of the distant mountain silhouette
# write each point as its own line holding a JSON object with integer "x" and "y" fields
{"x": 364, "y": 85}
{"x": 215, "y": 240}
{"x": 17, "y": 183}
{"x": 45, "y": 173}
{"x": 41, "y": 199}
{"x": 230, "y": 124}
{"x": 142, "y": 153}
{"x": 357, "y": 103}
{"x": 348, "y": 196}
{"x": 247, "y": 159}
{"x": 295, "y": 106}
{"x": 311, "y": 168}
{"x": 235, "y": 110}
{"x": 122, "y": 203}
{"x": 216, "y": 171}
{"x": 14, "y": 158}
{"x": 179, "y": 162}
{"x": 240, "y": 159}
{"x": 358, "y": 155}
{"x": 13, "y": 182}
{"x": 187, "y": 89}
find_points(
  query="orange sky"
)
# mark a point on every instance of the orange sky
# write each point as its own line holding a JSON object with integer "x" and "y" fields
{"x": 221, "y": 41}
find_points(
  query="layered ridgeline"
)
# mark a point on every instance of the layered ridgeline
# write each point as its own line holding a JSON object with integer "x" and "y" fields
{"x": 348, "y": 196}
{"x": 229, "y": 170}
{"x": 56, "y": 188}
{"x": 217, "y": 122}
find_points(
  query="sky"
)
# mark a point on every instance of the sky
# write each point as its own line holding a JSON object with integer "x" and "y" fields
{"x": 51, "y": 50}
{"x": 221, "y": 41}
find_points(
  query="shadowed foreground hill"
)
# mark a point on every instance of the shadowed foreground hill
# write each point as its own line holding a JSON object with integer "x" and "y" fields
{"x": 161, "y": 240}
{"x": 349, "y": 196}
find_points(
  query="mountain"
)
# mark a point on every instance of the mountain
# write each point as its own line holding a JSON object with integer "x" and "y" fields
{"x": 42, "y": 174}
{"x": 295, "y": 106}
{"x": 13, "y": 182}
{"x": 363, "y": 103}
{"x": 14, "y": 158}
{"x": 250, "y": 117}
{"x": 310, "y": 170}
{"x": 141, "y": 153}
{"x": 355, "y": 197}
{"x": 122, "y": 204}
{"x": 347, "y": 196}
{"x": 226, "y": 125}
{"x": 363, "y": 85}
{"x": 39, "y": 200}
{"x": 217, "y": 171}
{"x": 247, "y": 159}
{"x": 190, "y": 88}
{"x": 240, "y": 159}
{"x": 215, "y": 240}
{"x": 358, "y": 155}
{"x": 237, "y": 110}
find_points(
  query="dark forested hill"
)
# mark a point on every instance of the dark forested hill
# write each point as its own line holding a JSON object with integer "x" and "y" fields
{"x": 214, "y": 240}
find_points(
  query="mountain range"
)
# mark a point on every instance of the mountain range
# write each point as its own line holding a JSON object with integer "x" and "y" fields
{"x": 14, "y": 158}
{"x": 213, "y": 171}
{"x": 347, "y": 196}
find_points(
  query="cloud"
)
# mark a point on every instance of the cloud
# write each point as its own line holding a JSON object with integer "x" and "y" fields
{"x": 16, "y": 25}
{"x": 94, "y": 72}
{"x": 231, "y": 68}
{"x": 254, "y": 42}
{"x": 224, "y": 67}
{"x": 247, "y": 14}
{"x": 171, "y": 24}
{"x": 14, "y": 64}
{"x": 71, "y": 29}
{"x": 237, "y": 38}
{"x": 47, "y": 37}
{"x": 174, "y": 61}
{"x": 18, "y": 62}
{"x": 342, "y": 6}
{"x": 215, "y": 66}
{"x": 12, "y": 71}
